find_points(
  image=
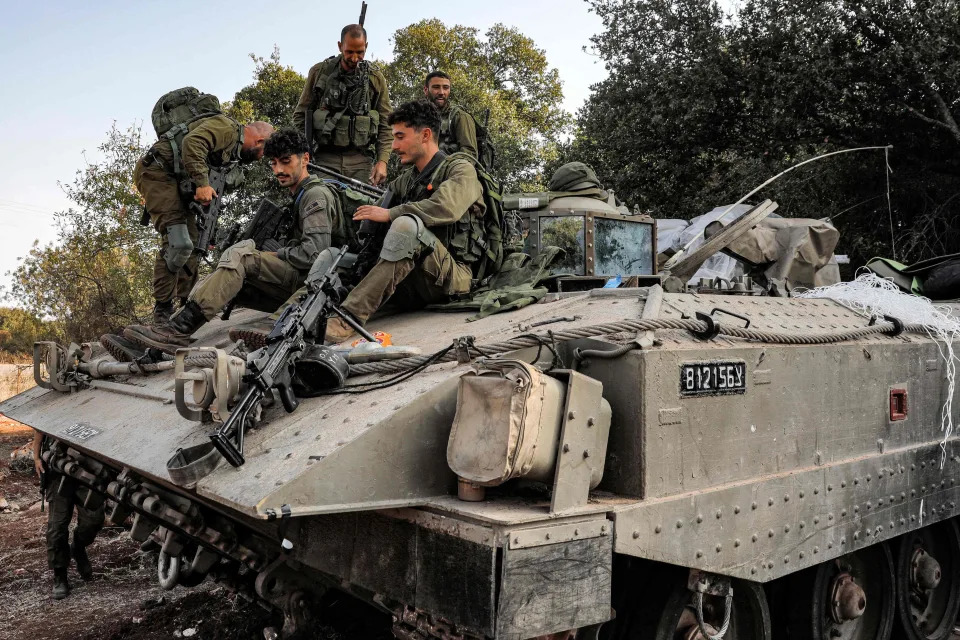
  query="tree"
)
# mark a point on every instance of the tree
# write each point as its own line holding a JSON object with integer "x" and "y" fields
{"x": 19, "y": 329}
{"x": 96, "y": 276}
{"x": 708, "y": 105}
{"x": 504, "y": 72}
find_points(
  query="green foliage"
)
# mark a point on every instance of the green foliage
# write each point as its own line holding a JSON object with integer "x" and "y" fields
{"x": 504, "y": 72}
{"x": 705, "y": 106}
{"x": 97, "y": 275}
{"x": 19, "y": 329}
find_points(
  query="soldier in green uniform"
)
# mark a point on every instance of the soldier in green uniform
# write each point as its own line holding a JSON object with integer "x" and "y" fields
{"x": 436, "y": 242}
{"x": 214, "y": 141}
{"x": 261, "y": 279}
{"x": 344, "y": 106}
{"x": 60, "y": 507}
{"x": 458, "y": 130}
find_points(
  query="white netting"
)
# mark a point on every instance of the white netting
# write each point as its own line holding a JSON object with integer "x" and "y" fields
{"x": 876, "y": 296}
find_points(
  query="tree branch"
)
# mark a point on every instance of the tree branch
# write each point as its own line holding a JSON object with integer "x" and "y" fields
{"x": 954, "y": 130}
{"x": 948, "y": 118}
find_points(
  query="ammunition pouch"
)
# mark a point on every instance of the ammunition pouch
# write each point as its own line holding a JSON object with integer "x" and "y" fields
{"x": 270, "y": 244}
{"x": 341, "y": 130}
{"x": 408, "y": 237}
{"x": 179, "y": 247}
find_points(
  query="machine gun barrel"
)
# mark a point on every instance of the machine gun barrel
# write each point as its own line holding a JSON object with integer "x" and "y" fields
{"x": 362, "y": 187}
{"x": 274, "y": 368}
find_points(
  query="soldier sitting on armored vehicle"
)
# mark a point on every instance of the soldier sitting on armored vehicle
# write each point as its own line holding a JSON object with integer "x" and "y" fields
{"x": 435, "y": 245}
{"x": 261, "y": 279}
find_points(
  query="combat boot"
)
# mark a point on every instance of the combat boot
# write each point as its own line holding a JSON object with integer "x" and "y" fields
{"x": 162, "y": 312}
{"x": 120, "y": 348}
{"x": 338, "y": 331}
{"x": 254, "y": 334}
{"x": 61, "y": 586}
{"x": 84, "y": 568}
{"x": 170, "y": 336}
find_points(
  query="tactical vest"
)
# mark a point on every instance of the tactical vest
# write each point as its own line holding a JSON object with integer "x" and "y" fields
{"x": 342, "y": 229}
{"x": 476, "y": 238}
{"x": 344, "y": 117}
{"x": 446, "y": 140}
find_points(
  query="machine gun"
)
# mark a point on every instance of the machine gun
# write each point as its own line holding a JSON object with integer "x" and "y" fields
{"x": 273, "y": 366}
{"x": 208, "y": 216}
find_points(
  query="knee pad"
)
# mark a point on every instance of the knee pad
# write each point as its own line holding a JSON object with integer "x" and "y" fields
{"x": 179, "y": 247}
{"x": 407, "y": 238}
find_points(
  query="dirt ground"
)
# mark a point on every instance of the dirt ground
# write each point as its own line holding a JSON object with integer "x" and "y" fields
{"x": 123, "y": 599}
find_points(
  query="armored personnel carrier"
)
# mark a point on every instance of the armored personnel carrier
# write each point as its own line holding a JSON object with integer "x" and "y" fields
{"x": 615, "y": 462}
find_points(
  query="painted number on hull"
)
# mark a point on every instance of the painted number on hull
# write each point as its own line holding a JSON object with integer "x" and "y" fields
{"x": 712, "y": 378}
{"x": 80, "y": 431}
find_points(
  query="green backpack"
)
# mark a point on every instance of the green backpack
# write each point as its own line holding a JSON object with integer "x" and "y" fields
{"x": 175, "y": 111}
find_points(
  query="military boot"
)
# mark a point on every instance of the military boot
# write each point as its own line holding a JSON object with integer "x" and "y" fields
{"x": 120, "y": 348}
{"x": 254, "y": 334}
{"x": 61, "y": 586}
{"x": 84, "y": 568}
{"x": 170, "y": 336}
{"x": 162, "y": 312}
{"x": 338, "y": 331}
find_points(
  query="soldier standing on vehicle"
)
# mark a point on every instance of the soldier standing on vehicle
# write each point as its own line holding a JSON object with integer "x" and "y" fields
{"x": 458, "y": 130}
{"x": 344, "y": 108}
{"x": 61, "y": 504}
{"x": 175, "y": 171}
{"x": 436, "y": 241}
{"x": 262, "y": 279}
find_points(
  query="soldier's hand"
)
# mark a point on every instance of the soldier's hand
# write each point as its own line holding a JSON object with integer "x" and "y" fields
{"x": 379, "y": 173}
{"x": 204, "y": 195}
{"x": 38, "y": 466}
{"x": 370, "y": 212}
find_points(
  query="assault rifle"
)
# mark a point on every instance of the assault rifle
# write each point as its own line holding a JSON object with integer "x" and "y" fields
{"x": 273, "y": 366}
{"x": 362, "y": 187}
{"x": 270, "y": 222}
{"x": 370, "y": 234}
{"x": 209, "y": 216}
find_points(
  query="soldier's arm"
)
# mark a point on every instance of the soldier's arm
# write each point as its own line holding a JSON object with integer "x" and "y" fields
{"x": 316, "y": 211}
{"x": 465, "y": 132}
{"x": 211, "y": 135}
{"x": 306, "y": 98}
{"x": 384, "y": 130}
{"x": 449, "y": 201}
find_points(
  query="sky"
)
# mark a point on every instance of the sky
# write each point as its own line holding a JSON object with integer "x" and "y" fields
{"x": 72, "y": 69}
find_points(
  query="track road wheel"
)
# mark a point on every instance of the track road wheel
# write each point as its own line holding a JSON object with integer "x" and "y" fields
{"x": 928, "y": 582}
{"x": 849, "y": 598}
{"x": 676, "y": 618}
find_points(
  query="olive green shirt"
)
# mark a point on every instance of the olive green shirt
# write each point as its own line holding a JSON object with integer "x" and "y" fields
{"x": 455, "y": 189}
{"x": 209, "y": 142}
{"x": 380, "y": 102}
{"x": 319, "y": 214}
{"x": 462, "y": 135}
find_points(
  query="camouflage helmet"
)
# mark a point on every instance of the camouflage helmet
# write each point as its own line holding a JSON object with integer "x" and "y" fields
{"x": 574, "y": 176}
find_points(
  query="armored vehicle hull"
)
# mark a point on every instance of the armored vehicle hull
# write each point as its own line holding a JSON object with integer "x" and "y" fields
{"x": 770, "y": 464}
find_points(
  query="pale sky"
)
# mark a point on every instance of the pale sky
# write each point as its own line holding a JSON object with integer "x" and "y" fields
{"x": 70, "y": 69}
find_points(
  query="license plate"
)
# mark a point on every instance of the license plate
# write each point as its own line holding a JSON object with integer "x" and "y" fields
{"x": 80, "y": 431}
{"x": 713, "y": 378}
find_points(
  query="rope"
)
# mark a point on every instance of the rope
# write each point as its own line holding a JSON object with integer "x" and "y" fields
{"x": 727, "y": 609}
{"x": 532, "y": 340}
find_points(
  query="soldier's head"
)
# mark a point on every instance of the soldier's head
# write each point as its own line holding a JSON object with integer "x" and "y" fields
{"x": 255, "y": 137}
{"x": 288, "y": 155}
{"x": 352, "y": 45}
{"x": 436, "y": 88}
{"x": 416, "y": 126}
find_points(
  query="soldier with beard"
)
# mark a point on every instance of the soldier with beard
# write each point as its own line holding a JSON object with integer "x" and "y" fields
{"x": 458, "y": 130}
{"x": 161, "y": 175}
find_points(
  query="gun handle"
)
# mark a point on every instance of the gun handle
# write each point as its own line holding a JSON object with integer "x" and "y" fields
{"x": 289, "y": 401}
